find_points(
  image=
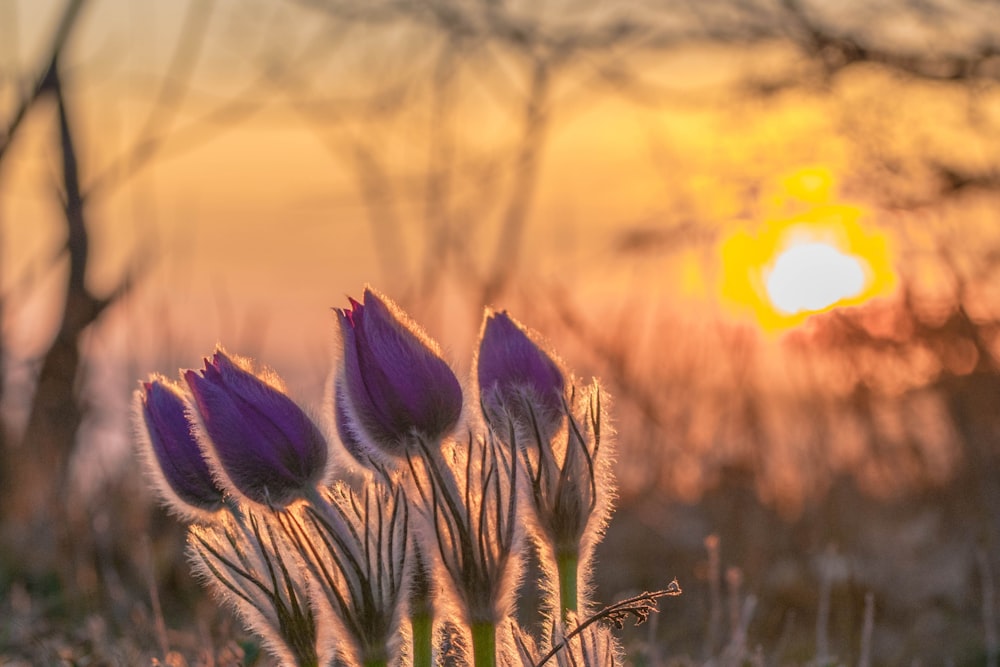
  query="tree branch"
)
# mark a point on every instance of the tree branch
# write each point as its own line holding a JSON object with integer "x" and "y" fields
{"x": 44, "y": 80}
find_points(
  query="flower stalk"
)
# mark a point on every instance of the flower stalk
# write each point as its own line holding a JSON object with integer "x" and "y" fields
{"x": 468, "y": 499}
{"x": 570, "y": 496}
{"x": 422, "y": 627}
{"x": 484, "y": 644}
{"x": 567, "y": 565}
{"x": 421, "y": 613}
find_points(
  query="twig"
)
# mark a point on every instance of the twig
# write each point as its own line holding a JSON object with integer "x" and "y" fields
{"x": 639, "y": 607}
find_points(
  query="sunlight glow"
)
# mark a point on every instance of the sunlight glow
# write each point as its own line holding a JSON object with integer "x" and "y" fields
{"x": 827, "y": 255}
{"x": 812, "y": 277}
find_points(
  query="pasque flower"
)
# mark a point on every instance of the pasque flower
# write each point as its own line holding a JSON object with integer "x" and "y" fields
{"x": 171, "y": 450}
{"x": 517, "y": 379}
{"x": 267, "y": 446}
{"x": 437, "y": 529}
{"x": 396, "y": 385}
{"x": 523, "y": 391}
{"x": 468, "y": 496}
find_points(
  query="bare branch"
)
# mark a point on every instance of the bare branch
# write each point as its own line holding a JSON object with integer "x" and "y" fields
{"x": 45, "y": 73}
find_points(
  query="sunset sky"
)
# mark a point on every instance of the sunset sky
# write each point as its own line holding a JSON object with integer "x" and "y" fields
{"x": 300, "y": 157}
{"x": 264, "y": 212}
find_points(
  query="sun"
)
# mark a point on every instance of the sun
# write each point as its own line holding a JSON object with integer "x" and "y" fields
{"x": 811, "y": 277}
{"x": 784, "y": 271}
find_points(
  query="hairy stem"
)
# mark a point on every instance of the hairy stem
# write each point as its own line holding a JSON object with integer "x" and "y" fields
{"x": 567, "y": 564}
{"x": 422, "y": 626}
{"x": 422, "y": 613}
{"x": 484, "y": 644}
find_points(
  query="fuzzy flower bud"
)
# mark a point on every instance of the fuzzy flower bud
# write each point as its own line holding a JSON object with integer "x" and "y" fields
{"x": 517, "y": 379}
{"x": 267, "y": 446}
{"x": 396, "y": 384}
{"x": 172, "y": 452}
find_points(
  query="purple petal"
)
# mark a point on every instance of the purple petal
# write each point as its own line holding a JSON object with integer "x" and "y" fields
{"x": 512, "y": 369}
{"x": 176, "y": 449}
{"x": 266, "y": 444}
{"x": 429, "y": 394}
{"x": 397, "y": 384}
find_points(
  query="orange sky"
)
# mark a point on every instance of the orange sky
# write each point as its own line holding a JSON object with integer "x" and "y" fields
{"x": 259, "y": 227}
{"x": 657, "y": 222}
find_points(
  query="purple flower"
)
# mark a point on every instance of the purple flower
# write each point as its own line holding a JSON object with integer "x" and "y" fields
{"x": 267, "y": 446}
{"x": 172, "y": 453}
{"x": 396, "y": 384}
{"x": 517, "y": 378}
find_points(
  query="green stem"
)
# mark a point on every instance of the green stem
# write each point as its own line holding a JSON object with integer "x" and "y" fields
{"x": 378, "y": 662}
{"x": 484, "y": 644}
{"x": 422, "y": 627}
{"x": 422, "y": 613}
{"x": 567, "y": 564}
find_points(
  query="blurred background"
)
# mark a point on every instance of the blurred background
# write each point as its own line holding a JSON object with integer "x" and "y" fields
{"x": 771, "y": 227}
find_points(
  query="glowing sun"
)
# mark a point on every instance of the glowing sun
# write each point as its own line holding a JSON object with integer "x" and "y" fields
{"x": 813, "y": 276}
{"x": 787, "y": 270}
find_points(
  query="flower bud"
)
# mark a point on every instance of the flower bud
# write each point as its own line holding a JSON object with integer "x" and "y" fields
{"x": 267, "y": 446}
{"x": 517, "y": 379}
{"x": 171, "y": 450}
{"x": 396, "y": 384}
